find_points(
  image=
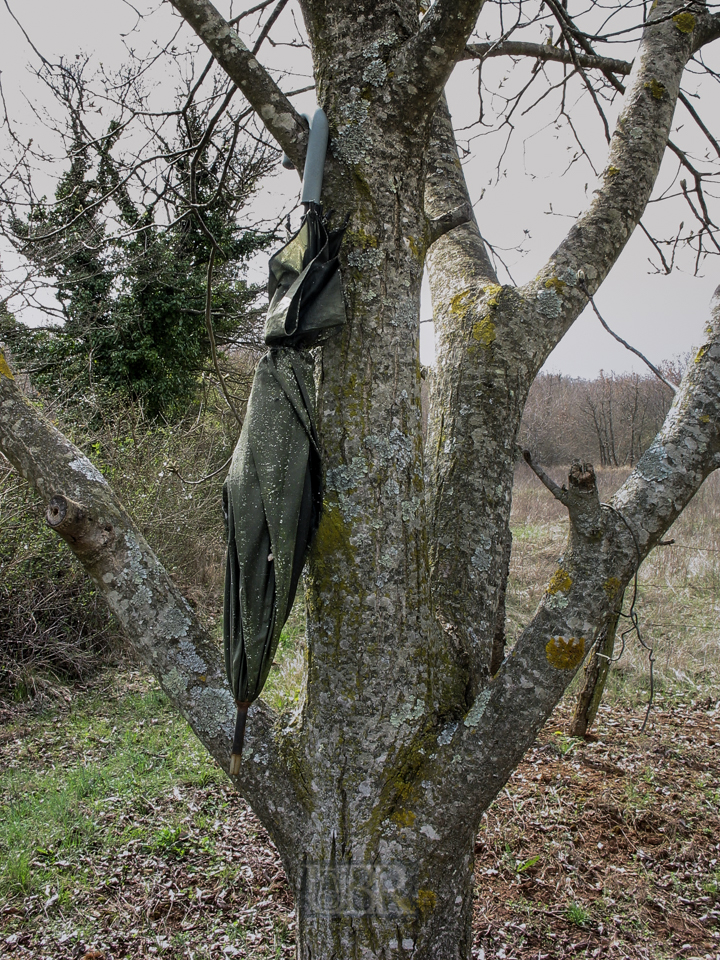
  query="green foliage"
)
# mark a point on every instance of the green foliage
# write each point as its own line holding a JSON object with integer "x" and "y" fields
{"x": 133, "y": 298}
{"x": 54, "y": 623}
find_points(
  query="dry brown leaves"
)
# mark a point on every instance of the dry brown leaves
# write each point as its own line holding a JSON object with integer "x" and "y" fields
{"x": 609, "y": 848}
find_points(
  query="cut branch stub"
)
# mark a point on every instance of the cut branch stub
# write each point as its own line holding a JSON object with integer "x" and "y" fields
{"x": 582, "y": 476}
{"x": 439, "y": 226}
{"x": 73, "y": 522}
{"x": 583, "y": 502}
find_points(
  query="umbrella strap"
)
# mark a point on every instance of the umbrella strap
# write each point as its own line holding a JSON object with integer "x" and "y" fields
{"x": 239, "y": 738}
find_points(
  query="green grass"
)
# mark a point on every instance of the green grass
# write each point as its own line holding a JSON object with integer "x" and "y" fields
{"x": 60, "y": 796}
{"x": 284, "y": 684}
{"x": 577, "y": 915}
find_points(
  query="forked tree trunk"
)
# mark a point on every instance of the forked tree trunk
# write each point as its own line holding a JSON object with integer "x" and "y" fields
{"x": 408, "y": 726}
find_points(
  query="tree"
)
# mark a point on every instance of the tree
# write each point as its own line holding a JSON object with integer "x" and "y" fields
{"x": 412, "y": 719}
{"x": 133, "y": 298}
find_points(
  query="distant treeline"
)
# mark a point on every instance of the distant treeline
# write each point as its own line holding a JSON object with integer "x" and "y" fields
{"x": 609, "y": 421}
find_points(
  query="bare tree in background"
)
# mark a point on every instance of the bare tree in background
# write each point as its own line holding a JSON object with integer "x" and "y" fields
{"x": 411, "y": 718}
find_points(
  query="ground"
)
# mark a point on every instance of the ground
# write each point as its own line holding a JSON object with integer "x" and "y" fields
{"x": 120, "y": 839}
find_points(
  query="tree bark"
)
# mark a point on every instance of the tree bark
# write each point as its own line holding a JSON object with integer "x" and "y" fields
{"x": 595, "y": 674}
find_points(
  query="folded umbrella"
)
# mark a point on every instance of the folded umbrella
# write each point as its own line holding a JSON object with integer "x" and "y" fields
{"x": 273, "y": 493}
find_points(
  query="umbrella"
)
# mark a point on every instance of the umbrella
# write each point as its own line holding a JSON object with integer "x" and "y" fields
{"x": 273, "y": 492}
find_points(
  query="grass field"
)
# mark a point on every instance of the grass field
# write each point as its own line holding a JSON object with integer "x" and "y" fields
{"x": 119, "y": 838}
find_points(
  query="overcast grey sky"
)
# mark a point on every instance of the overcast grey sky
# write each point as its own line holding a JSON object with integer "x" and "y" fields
{"x": 661, "y": 315}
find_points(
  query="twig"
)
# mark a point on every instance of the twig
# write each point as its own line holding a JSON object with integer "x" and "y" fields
{"x": 583, "y": 285}
{"x": 194, "y": 483}
{"x": 698, "y": 120}
{"x": 211, "y": 337}
{"x": 558, "y": 492}
{"x": 268, "y": 26}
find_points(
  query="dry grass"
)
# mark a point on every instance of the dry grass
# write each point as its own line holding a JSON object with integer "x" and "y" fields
{"x": 679, "y": 585}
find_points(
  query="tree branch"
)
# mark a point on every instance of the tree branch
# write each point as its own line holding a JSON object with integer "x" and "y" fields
{"x": 155, "y": 617}
{"x": 699, "y": 121}
{"x": 443, "y": 224}
{"x": 427, "y": 59}
{"x": 636, "y": 150}
{"x": 260, "y": 90}
{"x": 605, "y": 548}
{"x": 627, "y": 345}
{"x": 560, "y": 493}
{"x": 544, "y": 51}
{"x": 707, "y": 29}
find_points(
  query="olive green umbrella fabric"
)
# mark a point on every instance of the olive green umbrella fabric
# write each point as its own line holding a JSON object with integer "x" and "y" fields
{"x": 273, "y": 492}
{"x": 306, "y": 298}
{"x": 272, "y": 498}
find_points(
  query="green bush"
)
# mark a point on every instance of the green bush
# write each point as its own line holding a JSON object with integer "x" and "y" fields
{"x": 53, "y": 622}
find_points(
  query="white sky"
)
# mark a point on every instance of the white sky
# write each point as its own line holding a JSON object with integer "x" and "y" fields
{"x": 661, "y": 315}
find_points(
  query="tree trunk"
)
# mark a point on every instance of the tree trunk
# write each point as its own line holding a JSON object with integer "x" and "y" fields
{"x": 387, "y": 906}
{"x": 409, "y": 725}
{"x": 595, "y": 674}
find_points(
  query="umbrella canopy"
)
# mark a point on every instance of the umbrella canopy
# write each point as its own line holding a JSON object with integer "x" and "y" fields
{"x": 306, "y": 298}
{"x": 273, "y": 491}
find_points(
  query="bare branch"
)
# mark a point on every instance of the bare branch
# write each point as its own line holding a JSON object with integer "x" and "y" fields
{"x": 269, "y": 25}
{"x": 273, "y": 107}
{"x": 651, "y": 366}
{"x": 545, "y": 52}
{"x": 153, "y": 614}
{"x": 698, "y": 120}
{"x": 560, "y": 493}
{"x": 428, "y": 58}
{"x": 597, "y": 239}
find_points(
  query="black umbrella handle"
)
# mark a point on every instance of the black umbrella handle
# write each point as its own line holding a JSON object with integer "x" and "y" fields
{"x": 239, "y": 738}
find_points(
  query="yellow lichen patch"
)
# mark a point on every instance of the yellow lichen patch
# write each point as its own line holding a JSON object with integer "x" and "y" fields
{"x": 685, "y": 22}
{"x": 493, "y": 291}
{"x": 611, "y": 586}
{"x": 565, "y": 653}
{"x": 556, "y": 284}
{"x": 404, "y": 818}
{"x": 704, "y": 418}
{"x": 360, "y": 238}
{"x": 560, "y": 582}
{"x": 655, "y": 88}
{"x": 5, "y": 370}
{"x": 613, "y": 171}
{"x": 461, "y": 303}
{"x": 415, "y": 249}
{"x": 700, "y": 354}
{"x": 484, "y": 331}
{"x": 427, "y": 901}
{"x": 331, "y": 542}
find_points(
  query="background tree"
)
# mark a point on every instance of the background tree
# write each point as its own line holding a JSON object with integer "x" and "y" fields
{"x": 612, "y": 418}
{"x": 412, "y": 720}
{"x": 133, "y": 295}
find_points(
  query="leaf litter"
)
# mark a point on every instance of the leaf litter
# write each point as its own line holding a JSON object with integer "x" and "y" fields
{"x": 602, "y": 848}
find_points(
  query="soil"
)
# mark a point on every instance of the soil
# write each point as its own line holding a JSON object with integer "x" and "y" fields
{"x": 602, "y": 848}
